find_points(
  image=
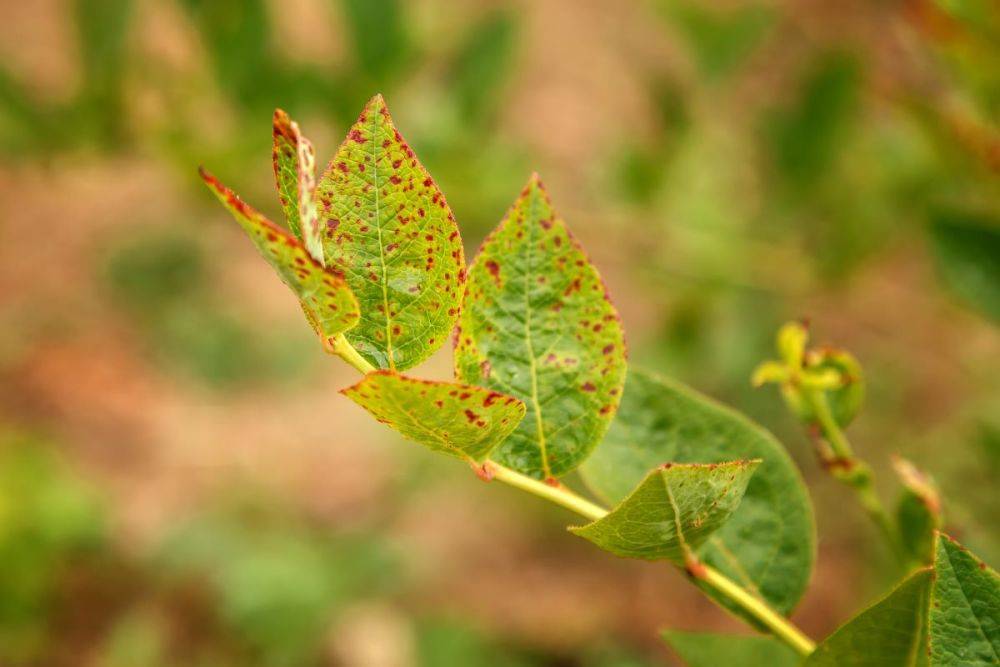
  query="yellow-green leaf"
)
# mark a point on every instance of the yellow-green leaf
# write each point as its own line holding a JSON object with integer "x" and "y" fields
{"x": 672, "y": 512}
{"x": 710, "y": 649}
{"x": 537, "y": 323}
{"x": 388, "y": 226}
{"x": 328, "y": 301}
{"x": 461, "y": 420}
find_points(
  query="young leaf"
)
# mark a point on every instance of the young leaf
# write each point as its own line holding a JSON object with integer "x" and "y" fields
{"x": 295, "y": 175}
{"x": 889, "y": 633}
{"x": 457, "y": 419}
{"x": 709, "y": 649}
{"x": 918, "y": 512}
{"x": 537, "y": 323}
{"x": 965, "y": 608}
{"x": 672, "y": 512}
{"x": 327, "y": 300}
{"x": 388, "y": 225}
{"x": 768, "y": 545}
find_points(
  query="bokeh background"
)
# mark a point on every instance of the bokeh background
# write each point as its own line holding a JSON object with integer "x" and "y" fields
{"x": 181, "y": 484}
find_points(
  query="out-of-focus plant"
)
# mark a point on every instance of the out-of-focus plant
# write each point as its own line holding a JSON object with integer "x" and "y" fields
{"x": 374, "y": 255}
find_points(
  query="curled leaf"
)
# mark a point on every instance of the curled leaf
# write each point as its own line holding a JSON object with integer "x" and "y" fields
{"x": 327, "y": 300}
{"x": 295, "y": 175}
{"x": 672, "y": 512}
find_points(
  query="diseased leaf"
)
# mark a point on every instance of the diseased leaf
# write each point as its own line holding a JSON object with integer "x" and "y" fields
{"x": 710, "y": 649}
{"x": 890, "y": 633}
{"x": 295, "y": 175}
{"x": 537, "y": 324}
{"x": 672, "y": 512}
{"x": 768, "y": 545}
{"x": 388, "y": 226}
{"x": 328, "y": 301}
{"x": 458, "y": 419}
{"x": 965, "y": 609}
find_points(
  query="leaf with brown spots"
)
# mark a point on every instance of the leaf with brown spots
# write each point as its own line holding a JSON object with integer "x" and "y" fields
{"x": 327, "y": 300}
{"x": 386, "y": 223}
{"x": 673, "y": 511}
{"x": 537, "y": 324}
{"x": 295, "y": 175}
{"x": 460, "y": 420}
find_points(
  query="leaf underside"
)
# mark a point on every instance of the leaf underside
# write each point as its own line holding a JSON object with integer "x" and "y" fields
{"x": 294, "y": 161}
{"x": 460, "y": 420}
{"x": 709, "y": 649}
{"x": 386, "y": 223}
{"x": 328, "y": 301}
{"x": 537, "y": 324}
{"x": 768, "y": 545}
{"x": 890, "y": 633}
{"x": 672, "y": 512}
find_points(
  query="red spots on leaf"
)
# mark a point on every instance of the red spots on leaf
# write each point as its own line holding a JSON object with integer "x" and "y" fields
{"x": 395, "y": 180}
{"x": 546, "y": 224}
{"x": 355, "y": 134}
{"x": 471, "y": 416}
{"x": 464, "y": 395}
{"x": 342, "y": 166}
{"x": 391, "y": 247}
{"x": 396, "y": 330}
{"x": 608, "y": 349}
{"x": 428, "y": 182}
{"x": 494, "y": 270}
{"x": 396, "y": 164}
{"x": 588, "y": 386}
{"x": 605, "y": 410}
{"x": 420, "y": 212}
{"x": 573, "y": 287}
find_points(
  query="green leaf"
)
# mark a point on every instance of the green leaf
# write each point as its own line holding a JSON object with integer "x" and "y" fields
{"x": 377, "y": 29}
{"x": 967, "y": 249}
{"x": 891, "y": 632}
{"x": 965, "y": 609}
{"x": 326, "y": 298}
{"x": 295, "y": 175}
{"x": 768, "y": 545}
{"x": 709, "y": 649}
{"x": 672, "y": 512}
{"x": 388, "y": 226}
{"x": 483, "y": 62}
{"x": 457, "y": 419}
{"x": 537, "y": 324}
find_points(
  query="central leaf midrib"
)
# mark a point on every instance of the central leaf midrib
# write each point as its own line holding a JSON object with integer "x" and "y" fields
{"x": 381, "y": 249}
{"x": 532, "y": 367}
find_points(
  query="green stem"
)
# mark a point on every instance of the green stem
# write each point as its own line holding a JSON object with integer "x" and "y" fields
{"x": 343, "y": 349}
{"x": 851, "y": 470}
{"x": 782, "y": 628}
{"x": 556, "y": 493}
{"x": 559, "y": 495}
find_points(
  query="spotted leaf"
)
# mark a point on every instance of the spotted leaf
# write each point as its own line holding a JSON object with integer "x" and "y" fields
{"x": 537, "y": 324}
{"x": 327, "y": 300}
{"x": 295, "y": 175}
{"x": 386, "y": 223}
{"x": 460, "y": 420}
{"x": 673, "y": 511}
